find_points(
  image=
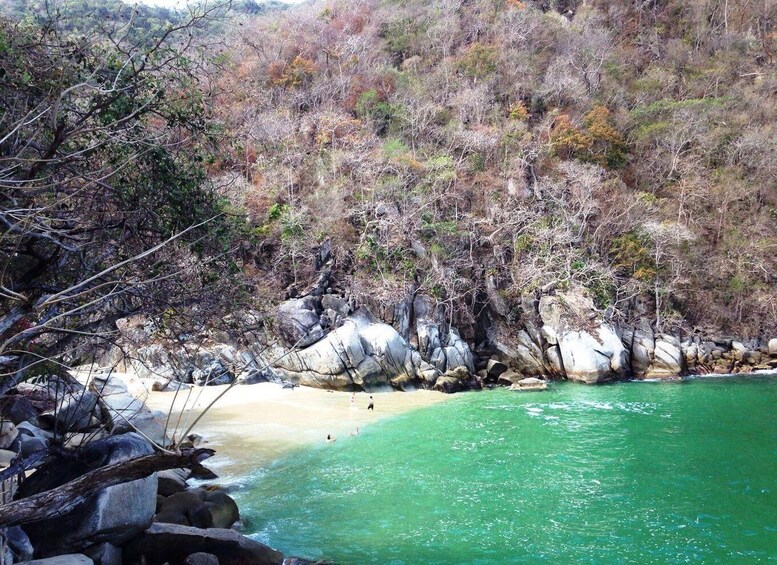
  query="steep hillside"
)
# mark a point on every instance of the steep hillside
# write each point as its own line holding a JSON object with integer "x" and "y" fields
{"x": 486, "y": 152}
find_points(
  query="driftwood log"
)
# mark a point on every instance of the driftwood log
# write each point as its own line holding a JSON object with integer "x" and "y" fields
{"x": 59, "y": 501}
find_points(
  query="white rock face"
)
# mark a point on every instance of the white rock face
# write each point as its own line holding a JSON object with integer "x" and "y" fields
{"x": 591, "y": 351}
{"x": 773, "y": 347}
{"x": 667, "y": 358}
{"x": 369, "y": 354}
{"x": 643, "y": 346}
{"x": 361, "y": 352}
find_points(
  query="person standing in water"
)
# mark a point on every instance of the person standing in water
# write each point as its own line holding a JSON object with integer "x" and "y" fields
{"x": 371, "y": 405}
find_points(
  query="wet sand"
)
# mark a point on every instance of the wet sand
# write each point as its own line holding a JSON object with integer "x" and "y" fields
{"x": 252, "y": 425}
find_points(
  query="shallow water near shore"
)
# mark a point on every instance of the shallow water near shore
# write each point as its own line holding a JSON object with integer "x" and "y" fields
{"x": 625, "y": 473}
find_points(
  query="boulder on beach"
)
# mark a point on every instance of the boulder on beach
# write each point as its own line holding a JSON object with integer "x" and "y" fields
{"x": 200, "y": 508}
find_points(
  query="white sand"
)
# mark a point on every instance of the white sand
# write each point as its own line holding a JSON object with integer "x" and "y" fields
{"x": 251, "y": 425}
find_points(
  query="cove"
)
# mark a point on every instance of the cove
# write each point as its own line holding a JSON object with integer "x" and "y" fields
{"x": 623, "y": 473}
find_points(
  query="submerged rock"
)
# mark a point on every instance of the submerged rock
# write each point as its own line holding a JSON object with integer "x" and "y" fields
{"x": 529, "y": 384}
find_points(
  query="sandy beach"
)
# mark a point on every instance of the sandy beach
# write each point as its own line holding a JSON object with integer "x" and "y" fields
{"x": 251, "y": 425}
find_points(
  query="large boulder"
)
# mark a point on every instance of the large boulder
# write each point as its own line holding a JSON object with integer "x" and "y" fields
{"x": 104, "y": 554}
{"x": 457, "y": 352}
{"x": 641, "y": 343}
{"x": 69, "y": 559}
{"x": 171, "y": 481}
{"x": 172, "y": 543}
{"x": 591, "y": 349}
{"x": 494, "y": 368}
{"x": 185, "y": 508}
{"x": 448, "y": 384}
{"x": 667, "y": 358}
{"x": 223, "y": 509}
{"x": 113, "y": 515}
{"x": 200, "y": 508}
{"x": 8, "y": 433}
{"x": 362, "y": 353}
{"x": 17, "y": 541}
{"x": 213, "y": 373}
{"x": 152, "y": 361}
{"x": 772, "y": 347}
{"x": 74, "y": 412}
{"x": 298, "y": 321}
{"x": 66, "y": 405}
{"x": 125, "y": 412}
{"x": 18, "y": 408}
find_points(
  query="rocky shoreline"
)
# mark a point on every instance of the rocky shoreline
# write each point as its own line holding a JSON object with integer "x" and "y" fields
{"x": 323, "y": 340}
{"x": 83, "y": 425}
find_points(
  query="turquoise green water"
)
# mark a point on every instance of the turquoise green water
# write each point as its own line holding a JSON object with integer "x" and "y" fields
{"x": 627, "y": 473}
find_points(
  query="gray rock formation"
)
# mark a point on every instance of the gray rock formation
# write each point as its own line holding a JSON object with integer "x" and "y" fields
{"x": 667, "y": 358}
{"x": 591, "y": 350}
{"x": 126, "y": 412}
{"x": 298, "y": 321}
{"x": 17, "y": 542}
{"x": 214, "y": 372}
{"x": 113, "y": 515}
{"x": 163, "y": 543}
{"x": 68, "y": 559}
{"x": 171, "y": 481}
{"x": 8, "y": 433}
{"x": 199, "y": 508}
{"x": 362, "y": 353}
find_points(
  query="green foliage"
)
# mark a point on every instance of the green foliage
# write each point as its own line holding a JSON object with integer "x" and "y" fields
{"x": 393, "y": 148}
{"x": 441, "y": 168}
{"x": 602, "y": 293}
{"x": 276, "y": 211}
{"x": 479, "y": 60}
{"x": 383, "y": 114}
{"x": 633, "y": 254}
{"x": 477, "y": 162}
{"x": 400, "y": 37}
{"x": 431, "y": 229}
{"x": 651, "y": 119}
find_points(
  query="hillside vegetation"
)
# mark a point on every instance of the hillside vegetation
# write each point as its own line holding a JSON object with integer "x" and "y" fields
{"x": 483, "y": 154}
{"x": 486, "y": 151}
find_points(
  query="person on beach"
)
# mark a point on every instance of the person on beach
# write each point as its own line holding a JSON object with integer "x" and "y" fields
{"x": 371, "y": 405}
{"x": 355, "y": 432}
{"x": 353, "y": 400}
{"x": 330, "y": 438}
